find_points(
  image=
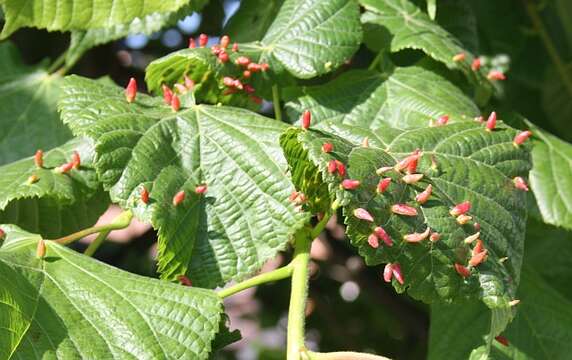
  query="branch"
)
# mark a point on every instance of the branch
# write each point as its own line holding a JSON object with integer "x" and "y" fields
{"x": 120, "y": 222}
{"x": 274, "y": 275}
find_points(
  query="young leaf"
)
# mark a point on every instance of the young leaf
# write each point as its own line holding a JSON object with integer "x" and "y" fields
{"x": 53, "y": 204}
{"x": 84, "y": 308}
{"x": 55, "y": 15}
{"x": 81, "y": 41}
{"x": 252, "y": 20}
{"x": 408, "y": 97}
{"x": 551, "y": 177}
{"x": 411, "y": 28}
{"x": 312, "y": 37}
{"x": 462, "y": 162}
{"x": 228, "y": 232}
{"x": 28, "y": 117}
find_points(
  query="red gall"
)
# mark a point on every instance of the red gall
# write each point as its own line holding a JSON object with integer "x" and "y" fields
{"x": 264, "y": 67}
{"x": 293, "y": 195}
{"x": 223, "y": 57}
{"x": 417, "y": 237}
{"x": 254, "y": 67}
{"x": 228, "y": 81}
{"x": 434, "y": 237}
{"x": 181, "y": 89}
{"x": 479, "y": 248}
{"x": 131, "y": 90}
{"x": 383, "y": 185}
{"x": 167, "y": 94}
{"x": 496, "y": 75}
{"x": 189, "y": 83}
{"x": 65, "y": 168}
{"x": 248, "y": 89}
{"x": 2, "y": 234}
{"x": 327, "y": 147}
{"x": 471, "y": 238}
{"x": 215, "y": 49}
{"x": 144, "y": 195}
{"x": 332, "y": 166}
{"x": 443, "y": 120}
{"x": 410, "y": 162}
{"x": 237, "y": 84}
{"x": 403, "y": 209}
{"x": 479, "y": 258}
{"x": 463, "y": 219}
{"x": 175, "y": 103}
{"x": 306, "y": 119}
{"x": 246, "y": 74}
{"x": 462, "y": 270}
{"x": 521, "y": 137}
{"x": 242, "y": 61}
{"x": 234, "y": 47}
{"x": 422, "y": 197}
{"x": 39, "y": 159}
{"x": 365, "y": 142}
{"x": 477, "y": 226}
{"x": 350, "y": 184}
{"x": 476, "y": 64}
{"x": 502, "y": 340}
{"x": 459, "y": 57}
{"x": 412, "y": 178}
{"x": 32, "y": 179}
{"x": 179, "y": 198}
{"x": 201, "y": 189}
{"x": 192, "y": 43}
{"x": 491, "y": 122}
{"x": 520, "y": 184}
{"x": 224, "y": 41}
{"x": 363, "y": 214}
{"x": 203, "y": 40}
{"x": 341, "y": 168}
{"x": 373, "y": 241}
{"x": 76, "y": 160}
{"x": 388, "y": 272}
{"x": 461, "y": 208}
{"x": 383, "y": 235}
{"x": 397, "y": 274}
{"x": 256, "y": 99}
{"x": 383, "y": 170}
{"x": 41, "y": 249}
{"x": 185, "y": 281}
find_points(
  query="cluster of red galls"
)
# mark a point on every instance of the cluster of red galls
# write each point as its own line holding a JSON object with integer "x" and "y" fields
{"x": 476, "y": 65}
{"x": 407, "y": 168}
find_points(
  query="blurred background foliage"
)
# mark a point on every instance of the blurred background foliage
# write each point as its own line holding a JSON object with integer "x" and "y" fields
{"x": 350, "y": 306}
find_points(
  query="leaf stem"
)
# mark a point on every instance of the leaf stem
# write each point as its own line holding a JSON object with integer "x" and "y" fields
{"x": 58, "y": 62}
{"x": 317, "y": 230}
{"x": 276, "y": 102}
{"x": 548, "y": 44}
{"x": 92, "y": 248}
{"x": 298, "y": 295}
{"x": 274, "y": 275}
{"x": 120, "y": 222}
{"x": 344, "y": 355}
{"x": 376, "y": 60}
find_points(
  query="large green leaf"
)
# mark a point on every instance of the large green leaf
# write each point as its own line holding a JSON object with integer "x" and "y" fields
{"x": 81, "y": 41}
{"x": 556, "y": 94}
{"x": 243, "y": 220}
{"x": 540, "y": 329}
{"x": 62, "y": 15}
{"x": 312, "y": 37}
{"x": 86, "y": 309}
{"x": 458, "y": 18}
{"x": 252, "y": 20}
{"x": 471, "y": 165}
{"x": 56, "y": 204}
{"x": 28, "y": 117}
{"x": 551, "y": 178}
{"x": 410, "y": 28}
{"x": 407, "y": 97}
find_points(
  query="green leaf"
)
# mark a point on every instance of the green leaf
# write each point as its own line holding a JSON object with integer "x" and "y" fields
{"x": 28, "y": 117}
{"x": 84, "y": 308}
{"x": 411, "y": 28}
{"x": 243, "y": 220}
{"x": 81, "y": 41}
{"x": 312, "y": 37}
{"x": 252, "y": 20}
{"x": 471, "y": 164}
{"x": 56, "y": 204}
{"x": 56, "y": 15}
{"x": 556, "y": 94}
{"x": 407, "y": 97}
{"x": 458, "y": 18}
{"x": 551, "y": 177}
{"x": 540, "y": 327}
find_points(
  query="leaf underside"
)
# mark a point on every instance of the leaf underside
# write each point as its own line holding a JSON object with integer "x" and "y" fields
{"x": 243, "y": 220}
